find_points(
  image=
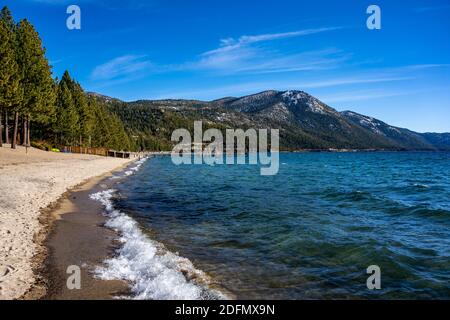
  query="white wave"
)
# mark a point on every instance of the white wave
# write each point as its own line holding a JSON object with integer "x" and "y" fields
{"x": 131, "y": 170}
{"x": 137, "y": 166}
{"x": 153, "y": 272}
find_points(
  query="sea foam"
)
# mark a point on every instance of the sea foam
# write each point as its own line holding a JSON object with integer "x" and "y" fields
{"x": 152, "y": 270}
{"x": 136, "y": 167}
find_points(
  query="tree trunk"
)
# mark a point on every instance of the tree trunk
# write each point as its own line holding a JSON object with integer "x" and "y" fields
{"x": 28, "y": 131}
{"x": 6, "y": 127}
{"x": 24, "y": 131}
{"x": 19, "y": 130}
{"x": 16, "y": 125}
{"x": 1, "y": 129}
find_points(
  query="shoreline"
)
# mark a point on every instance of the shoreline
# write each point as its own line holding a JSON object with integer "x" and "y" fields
{"x": 33, "y": 181}
{"x": 81, "y": 236}
{"x": 77, "y": 236}
{"x": 153, "y": 270}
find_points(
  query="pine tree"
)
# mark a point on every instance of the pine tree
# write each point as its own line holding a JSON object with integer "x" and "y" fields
{"x": 86, "y": 116}
{"x": 67, "y": 118}
{"x": 9, "y": 76}
{"x": 7, "y": 18}
{"x": 37, "y": 82}
{"x": 59, "y": 111}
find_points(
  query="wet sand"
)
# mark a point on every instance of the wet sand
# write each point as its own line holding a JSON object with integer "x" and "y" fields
{"x": 31, "y": 181}
{"x": 78, "y": 237}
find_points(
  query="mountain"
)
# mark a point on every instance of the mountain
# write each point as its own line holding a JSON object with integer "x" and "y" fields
{"x": 404, "y": 138}
{"x": 304, "y": 122}
{"x": 440, "y": 141}
{"x": 102, "y": 97}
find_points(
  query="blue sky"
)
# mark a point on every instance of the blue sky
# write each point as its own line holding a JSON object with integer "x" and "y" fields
{"x": 208, "y": 49}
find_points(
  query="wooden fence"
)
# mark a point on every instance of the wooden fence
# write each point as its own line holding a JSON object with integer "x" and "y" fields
{"x": 97, "y": 151}
{"x": 119, "y": 154}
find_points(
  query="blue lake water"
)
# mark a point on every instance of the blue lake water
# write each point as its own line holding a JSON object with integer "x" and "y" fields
{"x": 309, "y": 232}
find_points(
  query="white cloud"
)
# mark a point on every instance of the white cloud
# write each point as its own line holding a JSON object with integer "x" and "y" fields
{"x": 253, "y": 54}
{"x": 252, "y": 87}
{"x": 431, "y": 8}
{"x": 243, "y": 55}
{"x": 352, "y": 81}
{"x": 58, "y": 2}
{"x": 230, "y": 44}
{"x": 425, "y": 66}
{"x": 121, "y": 67}
{"x": 363, "y": 96}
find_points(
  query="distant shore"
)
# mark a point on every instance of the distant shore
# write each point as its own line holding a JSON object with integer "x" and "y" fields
{"x": 32, "y": 181}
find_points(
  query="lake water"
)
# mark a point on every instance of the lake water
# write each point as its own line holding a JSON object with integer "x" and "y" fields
{"x": 310, "y": 232}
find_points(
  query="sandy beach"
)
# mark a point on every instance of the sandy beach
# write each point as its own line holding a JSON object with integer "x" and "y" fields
{"x": 77, "y": 237}
{"x": 31, "y": 181}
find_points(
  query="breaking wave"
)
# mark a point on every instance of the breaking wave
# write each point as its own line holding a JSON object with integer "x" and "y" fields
{"x": 152, "y": 271}
{"x": 135, "y": 168}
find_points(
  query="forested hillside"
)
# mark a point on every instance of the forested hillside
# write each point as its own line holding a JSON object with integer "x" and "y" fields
{"x": 304, "y": 122}
{"x": 36, "y": 107}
